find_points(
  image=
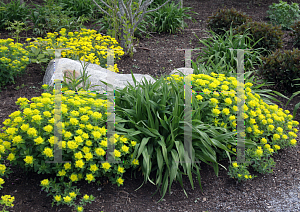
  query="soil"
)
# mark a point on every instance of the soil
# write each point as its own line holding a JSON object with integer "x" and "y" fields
{"x": 219, "y": 193}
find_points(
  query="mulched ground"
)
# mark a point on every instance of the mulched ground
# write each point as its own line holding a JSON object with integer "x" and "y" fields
{"x": 153, "y": 57}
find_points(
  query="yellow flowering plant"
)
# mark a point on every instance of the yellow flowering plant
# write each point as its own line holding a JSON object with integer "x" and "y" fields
{"x": 157, "y": 129}
{"x": 29, "y": 131}
{"x": 261, "y": 159}
{"x": 84, "y": 45}
{"x": 7, "y": 201}
{"x": 262, "y": 121}
{"x": 13, "y": 60}
{"x": 240, "y": 172}
{"x": 214, "y": 109}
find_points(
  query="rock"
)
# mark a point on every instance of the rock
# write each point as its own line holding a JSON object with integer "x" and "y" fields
{"x": 185, "y": 71}
{"x": 65, "y": 65}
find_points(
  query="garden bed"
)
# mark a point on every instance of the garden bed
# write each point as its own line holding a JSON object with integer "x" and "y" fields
{"x": 156, "y": 56}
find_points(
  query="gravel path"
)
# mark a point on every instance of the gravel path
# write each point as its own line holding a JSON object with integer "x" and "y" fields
{"x": 289, "y": 201}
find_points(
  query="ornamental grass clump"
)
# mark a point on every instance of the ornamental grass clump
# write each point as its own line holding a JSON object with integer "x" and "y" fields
{"x": 155, "y": 119}
{"x": 29, "y": 137}
{"x": 85, "y": 45}
{"x": 13, "y": 60}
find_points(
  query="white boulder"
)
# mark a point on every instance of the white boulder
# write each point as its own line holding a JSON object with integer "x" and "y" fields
{"x": 65, "y": 65}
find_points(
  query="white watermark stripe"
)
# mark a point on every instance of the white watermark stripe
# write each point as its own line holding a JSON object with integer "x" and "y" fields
{"x": 240, "y": 117}
{"x": 57, "y": 114}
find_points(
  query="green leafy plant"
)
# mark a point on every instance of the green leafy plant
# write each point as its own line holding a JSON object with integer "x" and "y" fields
{"x": 169, "y": 18}
{"x": 19, "y": 87}
{"x": 240, "y": 171}
{"x": 13, "y": 11}
{"x": 78, "y": 8}
{"x": 37, "y": 54}
{"x": 7, "y": 201}
{"x": 298, "y": 104}
{"x": 281, "y": 68}
{"x": 221, "y": 50}
{"x": 261, "y": 157}
{"x": 51, "y": 18}
{"x": 264, "y": 35}
{"x": 115, "y": 23}
{"x": 18, "y": 27}
{"x": 284, "y": 14}
{"x": 129, "y": 20}
{"x": 157, "y": 126}
{"x": 13, "y": 61}
{"x": 75, "y": 82}
{"x": 160, "y": 141}
{"x": 296, "y": 33}
{"x": 223, "y": 19}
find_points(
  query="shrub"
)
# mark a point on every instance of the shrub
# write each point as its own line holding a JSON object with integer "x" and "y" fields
{"x": 13, "y": 61}
{"x": 284, "y": 14}
{"x": 271, "y": 36}
{"x": 84, "y": 45}
{"x": 29, "y": 138}
{"x": 296, "y": 33}
{"x": 221, "y": 21}
{"x": 79, "y": 8}
{"x": 282, "y": 69}
{"x": 13, "y": 11}
{"x": 51, "y": 18}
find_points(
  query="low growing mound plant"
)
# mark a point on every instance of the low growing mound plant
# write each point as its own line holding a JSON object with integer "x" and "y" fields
{"x": 296, "y": 33}
{"x": 13, "y": 61}
{"x": 268, "y": 36}
{"x": 282, "y": 68}
{"x": 221, "y": 21}
{"x": 284, "y": 14}
{"x": 28, "y": 142}
{"x": 85, "y": 45}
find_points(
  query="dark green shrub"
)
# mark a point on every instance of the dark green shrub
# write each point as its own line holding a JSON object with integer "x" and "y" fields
{"x": 282, "y": 68}
{"x": 284, "y": 14}
{"x": 13, "y": 11}
{"x": 169, "y": 18}
{"x": 51, "y": 18}
{"x": 296, "y": 33}
{"x": 272, "y": 35}
{"x": 79, "y": 8}
{"x": 223, "y": 18}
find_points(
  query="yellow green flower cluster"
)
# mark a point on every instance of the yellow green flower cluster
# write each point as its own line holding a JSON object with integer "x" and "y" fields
{"x": 84, "y": 141}
{"x": 85, "y": 45}
{"x": 267, "y": 125}
{"x": 262, "y": 120}
{"x": 13, "y": 59}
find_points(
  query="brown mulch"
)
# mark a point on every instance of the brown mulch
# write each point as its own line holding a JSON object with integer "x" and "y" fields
{"x": 153, "y": 57}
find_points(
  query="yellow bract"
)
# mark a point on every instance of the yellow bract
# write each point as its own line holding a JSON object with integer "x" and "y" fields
{"x": 85, "y": 45}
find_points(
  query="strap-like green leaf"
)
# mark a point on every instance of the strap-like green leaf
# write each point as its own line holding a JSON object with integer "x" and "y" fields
{"x": 164, "y": 151}
{"x": 142, "y": 146}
